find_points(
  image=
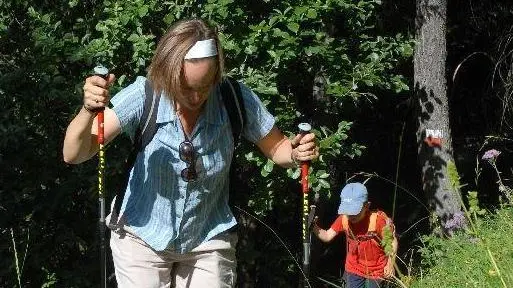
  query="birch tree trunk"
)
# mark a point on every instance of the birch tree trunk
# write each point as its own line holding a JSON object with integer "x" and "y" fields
{"x": 433, "y": 109}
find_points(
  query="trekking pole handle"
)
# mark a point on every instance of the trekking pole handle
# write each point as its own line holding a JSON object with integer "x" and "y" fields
{"x": 304, "y": 128}
{"x": 103, "y": 72}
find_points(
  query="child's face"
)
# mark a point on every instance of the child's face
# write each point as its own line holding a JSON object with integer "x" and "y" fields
{"x": 358, "y": 217}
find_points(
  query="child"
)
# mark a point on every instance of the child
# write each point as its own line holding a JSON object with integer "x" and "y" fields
{"x": 367, "y": 264}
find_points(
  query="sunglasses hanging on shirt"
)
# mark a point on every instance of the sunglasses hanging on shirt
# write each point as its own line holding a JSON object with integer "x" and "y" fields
{"x": 188, "y": 155}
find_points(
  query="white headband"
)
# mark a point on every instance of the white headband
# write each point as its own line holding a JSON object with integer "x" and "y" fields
{"x": 202, "y": 49}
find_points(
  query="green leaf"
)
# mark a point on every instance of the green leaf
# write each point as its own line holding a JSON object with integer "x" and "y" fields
{"x": 322, "y": 174}
{"x": 295, "y": 173}
{"x": 312, "y": 14}
{"x": 269, "y": 166}
{"x": 374, "y": 56}
{"x": 294, "y": 27}
{"x": 143, "y": 10}
{"x": 324, "y": 183}
{"x": 73, "y": 3}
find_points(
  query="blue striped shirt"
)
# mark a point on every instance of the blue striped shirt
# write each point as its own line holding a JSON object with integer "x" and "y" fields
{"x": 162, "y": 209}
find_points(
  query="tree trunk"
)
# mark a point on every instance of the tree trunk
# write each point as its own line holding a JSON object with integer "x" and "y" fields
{"x": 433, "y": 107}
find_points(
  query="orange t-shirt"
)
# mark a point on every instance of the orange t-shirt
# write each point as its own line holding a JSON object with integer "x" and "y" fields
{"x": 365, "y": 256}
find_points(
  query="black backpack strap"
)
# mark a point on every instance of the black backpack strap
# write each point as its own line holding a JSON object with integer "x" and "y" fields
{"x": 143, "y": 135}
{"x": 234, "y": 104}
{"x": 148, "y": 124}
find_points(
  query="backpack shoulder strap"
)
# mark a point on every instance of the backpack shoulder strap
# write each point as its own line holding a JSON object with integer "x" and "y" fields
{"x": 231, "y": 94}
{"x": 346, "y": 229}
{"x": 148, "y": 123}
{"x": 143, "y": 135}
{"x": 345, "y": 223}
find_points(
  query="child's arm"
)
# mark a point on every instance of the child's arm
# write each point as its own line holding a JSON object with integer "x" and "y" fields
{"x": 324, "y": 235}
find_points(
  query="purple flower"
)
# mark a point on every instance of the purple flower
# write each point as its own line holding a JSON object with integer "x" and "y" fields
{"x": 491, "y": 155}
{"x": 457, "y": 222}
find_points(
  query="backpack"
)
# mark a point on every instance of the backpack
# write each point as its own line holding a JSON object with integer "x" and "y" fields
{"x": 231, "y": 95}
{"x": 371, "y": 230}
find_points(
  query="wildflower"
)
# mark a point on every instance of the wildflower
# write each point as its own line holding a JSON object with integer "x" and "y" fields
{"x": 491, "y": 155}
{"x": 457, "y": 222}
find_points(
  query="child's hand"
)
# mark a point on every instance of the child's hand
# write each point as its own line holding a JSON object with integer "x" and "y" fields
{"x": 389, "y": 270}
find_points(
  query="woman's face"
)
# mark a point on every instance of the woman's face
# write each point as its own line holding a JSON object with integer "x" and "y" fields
{"x": 198, "y": 79}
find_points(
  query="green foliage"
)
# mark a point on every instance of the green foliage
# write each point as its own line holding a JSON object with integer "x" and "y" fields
{"x": 454, "y": 177}
{"x": 470, "y": 261}
{"x": 473, "y": 204}
{"x": 50, "y": 280}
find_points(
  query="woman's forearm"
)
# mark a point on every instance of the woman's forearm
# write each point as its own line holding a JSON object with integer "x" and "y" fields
{"x": 79, "y": 140}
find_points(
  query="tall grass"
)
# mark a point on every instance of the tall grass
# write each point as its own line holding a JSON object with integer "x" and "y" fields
{"x": 18, "y": 265}
{"x": 468, "y": 259}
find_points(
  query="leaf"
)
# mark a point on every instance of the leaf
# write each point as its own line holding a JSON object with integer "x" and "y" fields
{"x": 323, "y": 183}
{"x": 143, "y": 10}
{"x": 374, "y": 56}
{"x": 322, "y": 174}
{"x": 296, "y": 173}
{"x": 264, "y": 173}
{"x": 294, "y": 27}
{"x": 73, "y": 3}
{"x": 312, "y": 14}
{"x": 269, "y": 166}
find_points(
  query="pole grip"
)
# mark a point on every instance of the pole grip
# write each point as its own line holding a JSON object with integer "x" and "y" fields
{"x": 103, "y": 72}
{"x": 304, "y": 128}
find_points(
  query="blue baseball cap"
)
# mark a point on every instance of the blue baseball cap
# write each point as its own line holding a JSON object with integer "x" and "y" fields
{"x": 352, "y": 198}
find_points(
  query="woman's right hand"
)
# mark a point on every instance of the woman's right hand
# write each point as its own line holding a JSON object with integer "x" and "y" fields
{"x": 81, "y": 135}
{"x": 96, "y": 92}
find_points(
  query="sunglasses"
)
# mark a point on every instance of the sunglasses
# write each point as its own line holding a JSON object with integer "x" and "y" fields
{"x": 188, "y": 155}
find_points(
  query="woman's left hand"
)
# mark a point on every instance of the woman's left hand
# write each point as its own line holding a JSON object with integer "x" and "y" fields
{"x": 304, "y": 148}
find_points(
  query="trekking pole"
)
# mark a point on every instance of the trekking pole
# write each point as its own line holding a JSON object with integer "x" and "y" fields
{"x": 304, "y": 128}
{"x": 104, "y": 73}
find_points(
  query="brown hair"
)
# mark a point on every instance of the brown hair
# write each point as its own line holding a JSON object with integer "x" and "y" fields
{"x": 166, "y": 68}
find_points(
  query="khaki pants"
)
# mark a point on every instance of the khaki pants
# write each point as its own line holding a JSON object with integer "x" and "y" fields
{"x": 137, "y": 265}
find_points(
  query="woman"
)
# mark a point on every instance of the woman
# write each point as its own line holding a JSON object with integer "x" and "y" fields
{"x": 175, "y": 210}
